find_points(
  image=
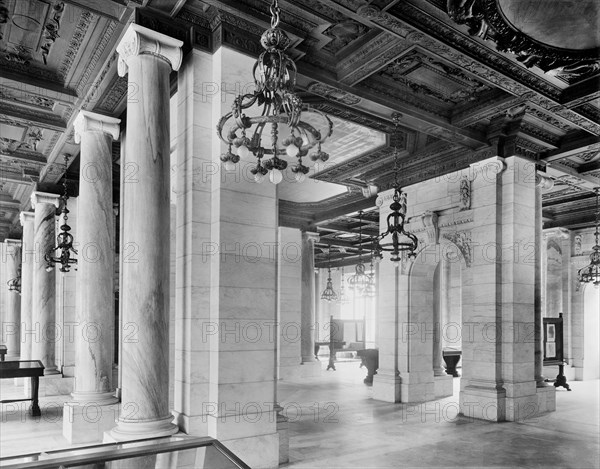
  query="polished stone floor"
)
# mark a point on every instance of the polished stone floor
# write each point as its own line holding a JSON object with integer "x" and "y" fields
{"x": 352, "y": 430}
{"x": 334, "y": 423}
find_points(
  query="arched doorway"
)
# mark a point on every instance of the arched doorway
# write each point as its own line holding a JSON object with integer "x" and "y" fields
{"x": 591, "y": 332}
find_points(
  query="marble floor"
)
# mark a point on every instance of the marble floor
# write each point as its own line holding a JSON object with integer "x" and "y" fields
{"x": 335, "y": 423}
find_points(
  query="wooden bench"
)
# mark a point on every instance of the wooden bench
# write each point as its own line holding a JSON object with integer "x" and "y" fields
{"x": 24, "y": 369}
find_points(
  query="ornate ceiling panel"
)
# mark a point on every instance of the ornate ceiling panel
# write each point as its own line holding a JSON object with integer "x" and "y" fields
{"x": 470, "y": 79}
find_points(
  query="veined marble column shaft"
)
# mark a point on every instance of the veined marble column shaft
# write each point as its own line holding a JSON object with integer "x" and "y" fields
{"x": 307, "y": 303}
{"x": 11, "y": 326}
{"x": 44, "y": 283}
{"x": 28, "y": 257}
{"x": 148, "y": 58}
{"x": 95, "y": 283}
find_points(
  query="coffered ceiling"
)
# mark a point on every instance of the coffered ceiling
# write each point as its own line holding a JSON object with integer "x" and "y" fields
{"x": 471, "y": 79}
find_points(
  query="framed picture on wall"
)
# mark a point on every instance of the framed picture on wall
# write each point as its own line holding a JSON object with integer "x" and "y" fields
{"x": 553, "y": 340}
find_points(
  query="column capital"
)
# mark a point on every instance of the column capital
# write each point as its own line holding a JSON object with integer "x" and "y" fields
{"x": 558, "y": 232}
{"x": 139, "y": 40}
{"x": 44, "y": 198}
{"x": 24, "y": 217}
{"x": 489, "y": 166}
{"x": 543, "y": 182}
{"x": 310, "y": 236}
{"x": 385, "y": 196}
{"x": 91, "y": 121}
{"x": 13, "y": 242}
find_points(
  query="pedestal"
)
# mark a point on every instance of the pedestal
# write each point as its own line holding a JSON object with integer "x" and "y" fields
{"x": 86, "y": 423}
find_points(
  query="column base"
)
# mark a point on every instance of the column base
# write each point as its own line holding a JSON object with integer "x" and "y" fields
{"x": 485, "y": 403}
{"x": 443, "y": 386}
{"x": 386, "y": 387}
{"x": 94, "y": 398}
{"x": 310, "y": 369}
{"x": 137, "y": 430}
{"x": 86, "y": 423}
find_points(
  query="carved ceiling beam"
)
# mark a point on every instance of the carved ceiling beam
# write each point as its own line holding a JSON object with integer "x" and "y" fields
{"x": 581, "y": 93}
{"x": 557, "y": 169}
{"x": 589, "y": 167}
{"x": 383, "y": 106}
{"x": 573, "y": 146}
{"x": 424, "y": 29}
{"x": 362, "y": 204}
{"x": 45, "y": 120}
{"x": 112, "y": 9}
{"x": 20, "y": 157}
{"x": 340, "y": 227}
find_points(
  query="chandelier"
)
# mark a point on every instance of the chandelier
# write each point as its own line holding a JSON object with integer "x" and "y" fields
{"x": 329, "y": 293}
{"x": 371, "y": 288}
{"x": 14, "y": 284}
{"x": 276, "y": 103}
{"x": 343, "y": 297}
{"x": 359, "y": 280}
{"x": 591, "y": 272}
{"x": 397, "y": 239}
{"x": 64, "y": 240}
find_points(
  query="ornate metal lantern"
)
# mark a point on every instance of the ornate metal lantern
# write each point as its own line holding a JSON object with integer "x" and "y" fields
{"x": 591, "y": 272}
{"x": 359, "y": 281}
{"x": 397, "y": 239}
{"x": 64, "y": 240}
{"x": 329, "y": 293}
{"x": 275, "y": 78}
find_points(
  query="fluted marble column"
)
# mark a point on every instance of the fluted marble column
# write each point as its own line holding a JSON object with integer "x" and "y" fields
{"x": 11, "y": 326}
{"x": 148, "y": 58}
{"x": 44, "y": 283}
{"x": 95, "y": 283}
{"x": 28, "y": 257}
{"x": 307, "y": 302}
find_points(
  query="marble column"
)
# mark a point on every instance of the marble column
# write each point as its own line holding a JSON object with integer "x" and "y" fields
{"x": 307, "y": 301}
{"x": 28, "y": 257}
{"x": 95, "y": 283}
{"x": 94, "y": 340}
{"x": 148, "y": 58}
{"x": 44, "y": 282}
{"x": 11, "y": 324}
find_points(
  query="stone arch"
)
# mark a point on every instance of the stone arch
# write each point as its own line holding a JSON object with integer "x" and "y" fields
{"x": 425, "y": 329}
{"x": 585, "y": 327}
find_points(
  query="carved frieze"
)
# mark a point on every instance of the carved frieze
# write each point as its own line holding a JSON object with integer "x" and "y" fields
{"x": 465, "y": 194}
{"x": 462, "y": 240}
{"x": 333, "y": 94}
{"x": 485, "y": 19}
{"x": 51, "y": 30}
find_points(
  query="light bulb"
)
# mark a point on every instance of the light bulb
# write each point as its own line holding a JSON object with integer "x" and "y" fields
{"x": 275, "y": 176}
{"x": 258, "y": 178}
{"x": 229, "y": 165}
{"x": 243, "y": 151}
{"x": 292, "y": 150}
{"x": 49, "y": 268}
{"x": 300, "y": 177}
